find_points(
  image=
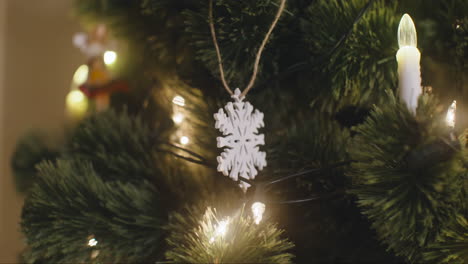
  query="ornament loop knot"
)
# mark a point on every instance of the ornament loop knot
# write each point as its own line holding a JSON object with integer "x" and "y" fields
{"x": 237, "y": 96}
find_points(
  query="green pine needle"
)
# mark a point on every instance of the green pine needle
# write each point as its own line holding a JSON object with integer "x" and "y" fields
{"x": 408, "y": 208}
{"x": 119, "y": 146}
{"x": 70, "y": 203}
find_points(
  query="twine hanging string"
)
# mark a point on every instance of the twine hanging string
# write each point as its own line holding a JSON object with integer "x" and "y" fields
{"x": 259, "y": 53}
{"x": 218, "y": 53}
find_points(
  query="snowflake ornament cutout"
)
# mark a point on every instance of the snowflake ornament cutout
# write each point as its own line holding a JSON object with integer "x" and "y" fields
{"x": 240, "y": 140}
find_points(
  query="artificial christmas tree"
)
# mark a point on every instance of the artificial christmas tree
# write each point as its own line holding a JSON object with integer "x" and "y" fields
{"x": 356, "y": 174}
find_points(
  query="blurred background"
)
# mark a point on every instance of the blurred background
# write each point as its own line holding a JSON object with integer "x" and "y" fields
{"x": 37, "y": 62}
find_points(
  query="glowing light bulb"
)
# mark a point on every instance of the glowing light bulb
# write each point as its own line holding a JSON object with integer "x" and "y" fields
{"x": 178, "y": 118}
{"x": 81, "y": 75}
{"x": 76, "y": 103}
{"x": 178, "y": 100}
{"x": 450, "y": 119}
{"x": 110, "y": 57}
{"x": 92, "y": 242}
{"x": 184, "y": 140}
{"x": 258, "y": 209}
{"x": 220, "y": 229}
{"x": 407, "y": 32}
{"x": 409, "y": 70}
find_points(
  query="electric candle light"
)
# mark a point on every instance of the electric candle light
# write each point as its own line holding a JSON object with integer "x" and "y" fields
{"x": 408, "y": 56}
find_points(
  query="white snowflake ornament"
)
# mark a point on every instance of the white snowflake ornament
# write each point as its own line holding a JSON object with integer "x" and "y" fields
{"x": 240, "y": 140}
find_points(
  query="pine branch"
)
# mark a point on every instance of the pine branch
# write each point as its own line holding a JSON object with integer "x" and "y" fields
{"x": 242, "y": 241}
{"x": 404, "y": 201}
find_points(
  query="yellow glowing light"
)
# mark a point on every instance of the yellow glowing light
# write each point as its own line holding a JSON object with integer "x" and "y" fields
{"x": 92, "y": 242}
{"x": 110, "y": 57}
{"x": 81, "y": 75}
{"x": 220, "y": 229}
{"x": 76, "y": 103}
{"x": 178, "y": 118}
{"x": 184, "y": 140}
{"x": 407, "y": 32}
{"x": 450, "y": 119}
{"x": 258, "y": 209}
{"x": 178, "y": 100}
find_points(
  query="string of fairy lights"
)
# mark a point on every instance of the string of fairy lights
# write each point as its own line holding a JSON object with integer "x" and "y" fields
{"x": 258, "y": 208}
{"x": 178, "y": 117}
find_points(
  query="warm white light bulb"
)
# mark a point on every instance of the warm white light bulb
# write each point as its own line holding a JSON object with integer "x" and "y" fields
{"x": 407, "y": 32}
{"x": 220, "y": 229}
{"x": 178, "y": 118}
{"x": 178, "y": 100}
{"x": 184, "y": 140}
{"x": 450, "y": 119}
{"x": 110, "y": 57}
{"x": 92, "y": 242}
{"x": 81, "y": 75}
{"x": 258, "y": 209}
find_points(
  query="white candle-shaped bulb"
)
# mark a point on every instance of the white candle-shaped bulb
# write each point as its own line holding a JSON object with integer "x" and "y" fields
{"x": 450, "y": 119}
{"x": 408, "y": 57}
{"x": 407, "y": 32}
